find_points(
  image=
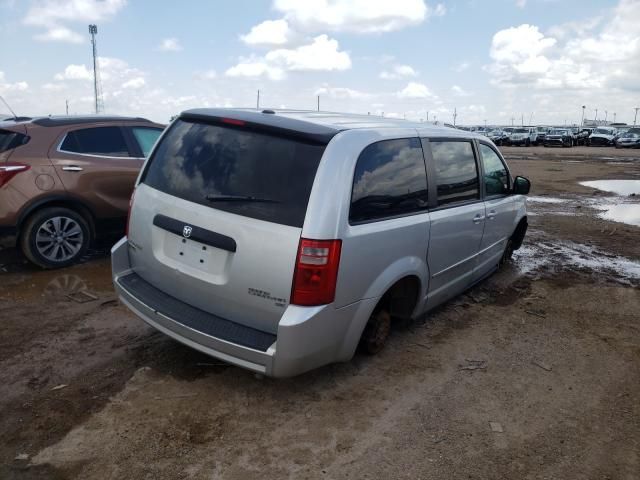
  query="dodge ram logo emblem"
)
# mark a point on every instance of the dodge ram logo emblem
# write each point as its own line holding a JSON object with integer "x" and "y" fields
{"x": 186, "y": 231}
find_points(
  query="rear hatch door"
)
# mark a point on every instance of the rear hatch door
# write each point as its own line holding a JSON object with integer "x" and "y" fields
{"x": 217, "y": 217}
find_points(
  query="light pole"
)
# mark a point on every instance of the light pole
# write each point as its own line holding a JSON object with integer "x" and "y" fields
{"x": 582, "y": 123}
{"x": 614, "y": 117}
{"x": 606, "y": 114}
{"x": 636, "y": 117}
{"x": 596, "y": 116}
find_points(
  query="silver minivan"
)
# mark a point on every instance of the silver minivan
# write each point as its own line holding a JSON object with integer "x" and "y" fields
{"x": 281, "y": 240}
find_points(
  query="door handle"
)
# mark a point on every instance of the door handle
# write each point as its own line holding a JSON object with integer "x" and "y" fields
{"x": 478, "y": 218}
{"x": 72, "y": 168}
{"x": 491, "y": 215}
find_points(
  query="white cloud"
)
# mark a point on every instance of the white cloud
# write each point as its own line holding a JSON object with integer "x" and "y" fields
{"x": 398, "y": 71}
{"x": 75, "y": 72}
{"x": 7, "y": 87}
{"x": 170, "y": 45}
{"x": 440, "y": 10}
{"x": 415, "y": 90}
{"x": 59, "y": 34}
{"x": 322, "y": 54}
{"x": 358, "y": 16}
{"x": 459, "y": 91}
{"x": 270, "y": 33}
{"x": 52, "y": 15}
{"x": 254, "y": 67}
{"x": 342, "y": 93}
{"x": 586, "y": 59}
{"x": 521, "y": 3}
{"x": 136, "y": 82}
{"x": 206, "y": 75}
{"x": 461, "y": 67}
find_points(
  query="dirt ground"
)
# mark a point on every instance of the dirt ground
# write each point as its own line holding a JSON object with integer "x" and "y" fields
{"x": 533, "y": 374}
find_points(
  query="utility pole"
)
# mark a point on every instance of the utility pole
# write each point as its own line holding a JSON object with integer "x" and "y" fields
{"x": 530, "y": 118}
{"x": 318, "y": 102}
{"x": 582, "y": 122}
{"x": 606, "y": 114}
{"x": 522, "y": 119}
{"x": 614, "y": 117}
{"x": 93, "y": 30}
{"x": 636, "y": 117}
{"x": 428, "y": 114}
{"x": 258, "y": 101}
{"x": 485, "y": 123}
{"x": 455, "y": 115}
{"x": 67, "y": 105}
{"x": 596, "y": 116}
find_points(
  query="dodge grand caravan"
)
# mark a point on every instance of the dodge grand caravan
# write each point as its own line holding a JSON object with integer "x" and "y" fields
{"x": 279, "y": 241}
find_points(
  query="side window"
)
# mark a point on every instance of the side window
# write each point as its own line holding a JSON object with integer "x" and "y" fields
{"x": 456, "y": 171}
{"x": 103, "y": 141}
{"x": 496, "y": 176}
{"x": 390, "y": 179}
{"x": 146, "y": 138}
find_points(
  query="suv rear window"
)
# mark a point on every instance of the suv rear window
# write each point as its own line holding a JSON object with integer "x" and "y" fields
{"x": 237, "y": 170}
{"x": 10, "y": 140}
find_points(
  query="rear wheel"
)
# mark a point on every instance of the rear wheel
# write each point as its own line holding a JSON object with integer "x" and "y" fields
{"x": 376, "y": 332}
{"x": 55, "y": 237}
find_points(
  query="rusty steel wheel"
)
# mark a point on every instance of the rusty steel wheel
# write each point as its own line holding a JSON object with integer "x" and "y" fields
{"x": 376, "y": 332}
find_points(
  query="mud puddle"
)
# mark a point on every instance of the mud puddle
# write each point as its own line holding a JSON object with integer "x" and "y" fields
{"x": 619, "y": 187}
{"x": 544, "y": 257}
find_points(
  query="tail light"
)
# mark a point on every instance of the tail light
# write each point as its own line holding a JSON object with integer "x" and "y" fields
{"x": 314, "y": 279}
{"x": 126, "y": 231}
{"x": 9, "y": 170}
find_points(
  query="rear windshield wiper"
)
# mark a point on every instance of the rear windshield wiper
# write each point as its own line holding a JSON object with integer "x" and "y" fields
{"x": 238, "y": 198}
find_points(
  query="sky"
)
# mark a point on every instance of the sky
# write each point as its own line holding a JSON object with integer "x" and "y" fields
{"x": 494, "y": 61}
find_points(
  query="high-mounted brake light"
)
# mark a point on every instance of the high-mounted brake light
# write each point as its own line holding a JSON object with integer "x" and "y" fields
{"x": 233, "y": 121}
{"x": 316, "y": 273}
{"x": 9, "y": 170}
{"x": 126, "y": 231}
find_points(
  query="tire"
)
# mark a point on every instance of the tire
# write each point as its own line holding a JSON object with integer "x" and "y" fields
{"x": 55, "y": 237}
{"x": 508, "y": 253}
{"x": 376, "y": 332}
{"x": 527, "y": 143}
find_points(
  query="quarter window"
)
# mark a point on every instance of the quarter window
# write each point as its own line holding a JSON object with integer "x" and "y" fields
{"x": 390, "y": 179}
{"x": 456, "y": 171}
{"x": 103, "y": 141}
{"x": 146, "y": 138}
{"x": 496, "y": 176}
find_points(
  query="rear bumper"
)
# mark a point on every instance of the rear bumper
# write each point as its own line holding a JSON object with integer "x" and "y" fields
{"x": 307, "y": 337}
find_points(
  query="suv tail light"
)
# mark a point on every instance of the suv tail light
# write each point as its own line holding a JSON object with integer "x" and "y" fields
{"x": 314, "y": 279}
{"x": 9, "y": 170}
{"x": 126, "y": 230}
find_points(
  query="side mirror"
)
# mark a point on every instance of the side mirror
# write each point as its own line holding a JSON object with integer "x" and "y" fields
{"x": 521, "y": 186}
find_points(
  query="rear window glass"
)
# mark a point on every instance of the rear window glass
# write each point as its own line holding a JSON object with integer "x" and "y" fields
{"x": 10, "y": 140}
{"x": 146, "y": 138}
{"x": 237, "y": 170}
{"x": 103, "y": 141}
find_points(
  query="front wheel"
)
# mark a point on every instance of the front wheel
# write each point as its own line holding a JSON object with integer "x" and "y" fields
{"x": 376, "y": 332}
{"x": 55, "y": 237}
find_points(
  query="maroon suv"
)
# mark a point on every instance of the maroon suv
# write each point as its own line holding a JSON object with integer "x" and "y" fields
{"x": 65, "y": 179}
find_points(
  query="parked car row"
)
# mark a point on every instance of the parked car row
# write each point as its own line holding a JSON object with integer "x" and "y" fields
{"x": 620, "y": 137}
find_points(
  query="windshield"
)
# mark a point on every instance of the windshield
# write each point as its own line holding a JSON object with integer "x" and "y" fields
{"x": 240, "y": 171}
{"x": 521, "y": 130}
{"x": 558, "y": 132}
{"x": 603, "y": 131}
